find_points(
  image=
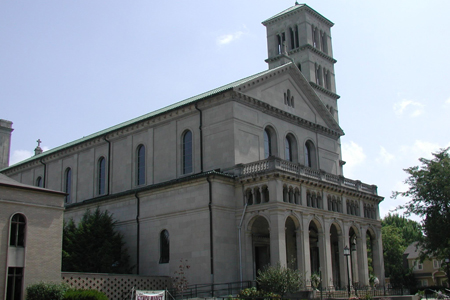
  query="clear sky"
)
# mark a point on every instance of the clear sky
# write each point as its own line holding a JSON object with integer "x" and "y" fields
{"x": 71, "y": 68}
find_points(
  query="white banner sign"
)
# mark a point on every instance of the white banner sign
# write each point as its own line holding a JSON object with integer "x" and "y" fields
{"x": 150, "y": 295}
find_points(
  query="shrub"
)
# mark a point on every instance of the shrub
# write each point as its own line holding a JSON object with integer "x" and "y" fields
{"x": 84, "y": 295}
{"x": 46, "y": 291}
{"x": 254, "y": 293}
{"x": 279, "y": 280}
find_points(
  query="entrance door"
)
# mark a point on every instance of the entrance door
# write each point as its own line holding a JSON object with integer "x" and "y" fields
{"x": 262, "y": 257}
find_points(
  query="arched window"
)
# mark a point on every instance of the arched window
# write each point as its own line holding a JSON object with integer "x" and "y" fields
{"x": 140, "y": 165}
{"x": 187, "y": 152}
{"x": 39, "y": 181}
{"x": 17, "y": 231}
{"x": 267, "y": 144}
{"x": 249, "y": 196}
{"x": 101, "y": 176}
{"x": 290, "y": 148}
{"x": 270, "y": 145}
{"x": 164, "y": 247}
{"x": 265, "y": 193}
{"x": 310, "y": 155}
{"x": 68, "y": 185}
{"x": 257, "y": 193}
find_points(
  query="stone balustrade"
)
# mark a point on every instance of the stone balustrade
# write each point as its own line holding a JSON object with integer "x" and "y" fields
{"x": 274, "y": 163}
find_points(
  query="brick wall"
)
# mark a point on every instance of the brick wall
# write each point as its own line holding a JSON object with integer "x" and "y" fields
{"x": 116, "y": 287}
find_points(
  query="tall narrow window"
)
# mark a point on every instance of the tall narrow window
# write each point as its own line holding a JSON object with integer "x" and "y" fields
{"x": 164, "y": 246}
{"x": 68, "y": 185}
{"x": 187, "y": 152}
{"x": 140, "y": 165}
{"x": 17, "y": 232}
{"x": 291, "y": 35}
{"x": 14, "y": 283}
{"x": 39, "y": 181}
{"x": 297, "y": 43}
{"x": 267, "y": 144}
{"x": 310, "y": 155}
{"x": 101, "y": 176}
{"x": 287, "y": 149}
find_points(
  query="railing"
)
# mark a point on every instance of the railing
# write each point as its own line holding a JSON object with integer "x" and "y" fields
{"x": 226, "y": 292}
{"x": 274, "y": 163}
{"x": 211, "y": 290}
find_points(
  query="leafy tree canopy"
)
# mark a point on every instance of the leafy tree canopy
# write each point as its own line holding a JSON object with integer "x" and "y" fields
{"x": 429, "y": 191}
{"x": 93, "y": 245}
{"x": 398, "y": 232}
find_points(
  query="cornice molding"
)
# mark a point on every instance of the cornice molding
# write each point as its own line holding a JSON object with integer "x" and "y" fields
{"x": 324, "y": 90}
{"x": 302, "y": 48}
{"x": 284, "y": 115}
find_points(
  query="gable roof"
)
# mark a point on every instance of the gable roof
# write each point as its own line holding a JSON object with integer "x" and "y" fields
{"x": 188, "y": 101}
{"x": 6, "y": 181}
{"x": 318, "y": 104}
{"x": 293, "y": 9}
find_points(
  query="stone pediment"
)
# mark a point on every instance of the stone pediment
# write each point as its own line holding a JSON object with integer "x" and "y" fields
{"x": 286, "y": 89}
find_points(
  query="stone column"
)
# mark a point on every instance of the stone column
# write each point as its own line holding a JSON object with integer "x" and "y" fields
{"x": 247, "y": 256}
{"x": 277, "y": 238}
{"x": 300, "y": 243}
{"x": 343, "y": 241}
{"x": 378, "y": 259}
{"x": 361, "y": 248}
{"x": 327, "y": 266}
{"x": 306, "y": 252}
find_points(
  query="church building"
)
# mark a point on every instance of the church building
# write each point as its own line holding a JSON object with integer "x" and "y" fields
{"x": 231, "y": 180}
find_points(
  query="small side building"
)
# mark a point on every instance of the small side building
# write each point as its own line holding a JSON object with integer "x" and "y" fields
{"x": 31, "y": 222}
{"x": 427, "y": 272}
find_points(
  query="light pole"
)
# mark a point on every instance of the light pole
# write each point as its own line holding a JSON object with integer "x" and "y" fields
{"x": 347, "y": 254}
{"x": 447, "y": 262}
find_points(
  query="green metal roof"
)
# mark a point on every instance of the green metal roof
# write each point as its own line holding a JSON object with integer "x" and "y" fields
{"x": 188, "y": 101}
{"x": 293, "y": 8}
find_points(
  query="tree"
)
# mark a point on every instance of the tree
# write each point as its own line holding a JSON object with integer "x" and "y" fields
{"x": 411, "y": 231}
{"x": 429, "y": 191}
{"x": 93, "y": 245}
{"x": 398, "y": 233}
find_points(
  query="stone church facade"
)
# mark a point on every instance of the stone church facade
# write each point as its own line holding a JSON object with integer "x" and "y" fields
{"x": 234, "y": 179}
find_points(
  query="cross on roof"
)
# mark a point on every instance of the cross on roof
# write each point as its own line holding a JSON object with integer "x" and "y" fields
{"x": 39, "y": 142}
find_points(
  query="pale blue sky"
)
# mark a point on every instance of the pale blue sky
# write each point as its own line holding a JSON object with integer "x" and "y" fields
{"x": 71, "y": 68}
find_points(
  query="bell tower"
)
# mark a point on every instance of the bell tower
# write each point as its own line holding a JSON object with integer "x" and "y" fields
{"x": 302, "y": 35}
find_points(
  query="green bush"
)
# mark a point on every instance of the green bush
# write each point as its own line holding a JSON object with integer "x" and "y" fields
{"x": 279, "y": 280}
{"x": 84, "y": 295}
{"x": 46, "y": 291}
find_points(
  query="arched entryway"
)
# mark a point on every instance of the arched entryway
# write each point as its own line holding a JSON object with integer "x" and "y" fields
{"x": 314, "y": 248}
{"x": 336, "y": 254}
{"x": 260, "y": 244}
{"x": 291, "y": 244}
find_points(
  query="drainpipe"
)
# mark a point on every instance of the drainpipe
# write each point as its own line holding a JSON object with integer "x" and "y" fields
{"x": 109, "y": 164}
{"x": 201, "y": 137}
{"x": 138, "y": 202}
{"x": 211, "y": 247}
{"x": 45, "y": 171}
{"x": 239, "y": 233}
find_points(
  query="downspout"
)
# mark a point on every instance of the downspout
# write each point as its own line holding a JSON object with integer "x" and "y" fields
{"x": 200, "y": 127}
{"x": 45, "y": 172}
{"x": 211, "y": 247}
{"x": 138, "y": 202}
{"x": 109, "y": 164}
{"x": 239, "y": 233}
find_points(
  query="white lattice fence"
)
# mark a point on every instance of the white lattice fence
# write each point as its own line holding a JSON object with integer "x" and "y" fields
{"x": 116, "y": 287}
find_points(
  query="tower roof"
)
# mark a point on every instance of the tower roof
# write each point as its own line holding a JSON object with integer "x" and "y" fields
{"x": 294, "y": 9}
